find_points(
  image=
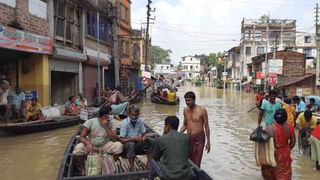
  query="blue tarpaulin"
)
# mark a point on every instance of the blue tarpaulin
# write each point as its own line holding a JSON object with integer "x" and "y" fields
{"x": 316, "y": 98}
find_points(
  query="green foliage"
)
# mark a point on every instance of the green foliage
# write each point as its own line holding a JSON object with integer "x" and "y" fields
{"x": 160, "y": 55}
{"x": 213, "y": 58}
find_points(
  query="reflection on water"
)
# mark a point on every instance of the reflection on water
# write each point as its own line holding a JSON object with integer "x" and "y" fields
{"x": 37, "y": 156}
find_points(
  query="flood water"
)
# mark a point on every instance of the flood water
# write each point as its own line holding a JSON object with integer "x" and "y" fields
{"x": 37, "y": 156}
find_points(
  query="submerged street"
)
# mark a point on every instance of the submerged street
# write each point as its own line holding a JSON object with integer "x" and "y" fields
{"x": 37, "y": 156}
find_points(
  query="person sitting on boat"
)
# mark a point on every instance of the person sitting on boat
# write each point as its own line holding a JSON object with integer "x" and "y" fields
{"x": 312, "y": 106}
{"x": 171, "y": 153}
{"x": 118, "y": 102}
{"x": 71, "y": 107}
{"x": 4, "y": 92}
{"x": 171, "y": 96}
{"x": 134, "y": 137}
{"x": 34, "y": 110}
{"x": 82, "y": 101}
{"x": 98, "y": 135}
{"x": 315, "y": 145}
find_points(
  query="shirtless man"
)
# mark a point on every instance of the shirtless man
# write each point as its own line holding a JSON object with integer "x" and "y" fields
{"x": 195, "y": 122}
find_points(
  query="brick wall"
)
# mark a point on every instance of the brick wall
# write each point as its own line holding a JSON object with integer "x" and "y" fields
{"x": 20, "y": 13}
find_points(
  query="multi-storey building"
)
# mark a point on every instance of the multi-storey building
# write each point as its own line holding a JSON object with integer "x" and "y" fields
{"x": 190, "y": 67}
{"x": 262, "y": 35}
{"x": 306, "y": 43}
{"x": 25, "y": 46}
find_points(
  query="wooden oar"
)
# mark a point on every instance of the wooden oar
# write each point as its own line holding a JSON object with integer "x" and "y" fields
{"x": 251, "y": 109}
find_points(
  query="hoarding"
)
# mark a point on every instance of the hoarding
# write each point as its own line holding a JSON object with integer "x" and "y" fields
{"x": 275, "y": 66}
{"x": 24, "y": 41}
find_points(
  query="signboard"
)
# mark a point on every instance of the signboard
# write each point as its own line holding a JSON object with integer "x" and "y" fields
{"x": 259, "y": 75}
{"x": 272, "y": 79}
{"x": 224, "y": 73}
{"x": 146, "y": 74}
{"x": 29, "y": 94}
{"x": 306, "y": 91}
{"x": 275, "y": 66}
{"x": 258, "y": 81}
{"x": 24, "y": 41}
{"x": 84, "y": 114}
{"x": 299, "y": 92}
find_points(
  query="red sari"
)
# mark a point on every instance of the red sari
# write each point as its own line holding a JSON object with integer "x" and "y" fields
{"x": 282, "y": 135}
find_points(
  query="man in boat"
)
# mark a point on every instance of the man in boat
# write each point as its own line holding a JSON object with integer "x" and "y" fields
{"x": 312, "y": 105}
{"x": 17, "y": 99}
{"x": 196, "y": 124}
{"x": 133, "y": 135}
{"x": 171, "y": 95}
{"x": 171, "y": 153}
{"x": 82, "y": 101}
{"x": 118, "y": 102}
{"x": 34, "y": 110}
{"x": 71, "y": 107}
{"x": 4, "y": 92}
{"x": 98, "y": 135}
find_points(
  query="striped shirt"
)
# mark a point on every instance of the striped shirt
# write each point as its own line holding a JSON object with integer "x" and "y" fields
{"x": 127, "y": 130}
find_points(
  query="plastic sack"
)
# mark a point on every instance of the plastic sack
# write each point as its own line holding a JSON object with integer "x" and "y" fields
{"x": 259, "y": 135}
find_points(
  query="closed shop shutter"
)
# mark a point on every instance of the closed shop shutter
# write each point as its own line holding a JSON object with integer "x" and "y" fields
{"x": 64, "y": 66}
{"x": 90, "y": 78}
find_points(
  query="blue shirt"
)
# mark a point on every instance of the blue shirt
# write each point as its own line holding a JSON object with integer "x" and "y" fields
{"x": 269, "y": 111}
{"x": 301, "y": 107}
{"x": 127, "y": 130}
{"x": 17, "y": 99}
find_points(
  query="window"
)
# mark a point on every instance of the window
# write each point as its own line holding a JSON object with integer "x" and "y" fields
{"x": 196, "y": 67}
{"x": 190, "y": 59}
{"x": 125, "y": 47}
{"x": 248, "y": 51}
{"x": 260, "y": 50}
{"x": 191, "y": 67}
{"x": 38, "y": 8}
{"x": 307, "y": 39}
{"x": 307, "y": 52}
{"x": 105, "y": 27}
{"x": 167, "y": 67}
{"x": 126, "y": 14}
{"x": 67, "y": 19}
{"x": 161, "y": 67}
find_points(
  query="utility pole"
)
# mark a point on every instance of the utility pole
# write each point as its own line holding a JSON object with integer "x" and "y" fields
{"x": 98, "y": 53}
{"x": 266, "y": 59}
{"x": 318, "y": 46}
{"x": 274, "y": 53}
{"x": 147, "y": 36}
{"x": 116, "y": 43}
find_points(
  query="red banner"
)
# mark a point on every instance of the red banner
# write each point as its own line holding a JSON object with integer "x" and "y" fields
{"x": 23, "y": 41}
{"x": 272, "y": 79}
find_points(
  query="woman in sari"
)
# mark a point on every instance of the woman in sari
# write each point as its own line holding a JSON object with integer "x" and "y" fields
{"x": 284, "y": 141}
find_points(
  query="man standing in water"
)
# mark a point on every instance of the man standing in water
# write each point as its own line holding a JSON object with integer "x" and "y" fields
{"x": 196, "y": 122}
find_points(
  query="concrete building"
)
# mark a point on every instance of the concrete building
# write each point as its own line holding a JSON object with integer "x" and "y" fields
{"x": 164, "y": 69}
{"x": 25, "y": 46}
{"x": 255, "y": 39}
{"x": 233, "y": 63}
{"x": 306, "y": 44}
{"x": 190, "y": 67}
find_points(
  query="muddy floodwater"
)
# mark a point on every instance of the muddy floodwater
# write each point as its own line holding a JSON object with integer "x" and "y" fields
{"x": 37, "y": 156}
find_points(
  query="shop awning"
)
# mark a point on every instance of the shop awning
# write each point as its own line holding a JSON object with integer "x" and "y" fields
{"x": 287, "y": 81}
{"x": 64, "y": 54}
{"x": 94, "y": 61}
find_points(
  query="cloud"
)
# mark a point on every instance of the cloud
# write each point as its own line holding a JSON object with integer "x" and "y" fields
{"x": 190, "y": 27}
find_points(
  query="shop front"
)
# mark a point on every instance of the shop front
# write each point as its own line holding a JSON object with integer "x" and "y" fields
{"x": 24, "y": 62}
{"x": 65, "y": 75}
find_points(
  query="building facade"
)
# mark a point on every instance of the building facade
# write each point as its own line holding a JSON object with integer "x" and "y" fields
{"x": 163, "y": 69}
{"x": 259, "y": 36}
{"x": 25, "y": 46}
{"x": 190, "y": 67}
{"x": 306, "y": 44}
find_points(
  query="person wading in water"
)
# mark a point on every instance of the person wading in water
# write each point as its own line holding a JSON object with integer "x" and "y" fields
{"x": 196, "y": 124}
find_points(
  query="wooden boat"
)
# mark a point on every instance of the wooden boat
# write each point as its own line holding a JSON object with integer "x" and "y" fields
{"x": 136, "y": 99}
{"x": 155, "y": 99}
{"x": 40, "y": 125}
{"x": 69, "y": 171}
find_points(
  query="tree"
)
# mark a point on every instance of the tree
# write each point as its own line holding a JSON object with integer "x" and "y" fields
{"x": 213, "y": 58}
{"x": 160, "y": 55}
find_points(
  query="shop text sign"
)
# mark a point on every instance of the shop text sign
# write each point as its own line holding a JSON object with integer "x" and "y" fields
{"x": 23, "y": 41}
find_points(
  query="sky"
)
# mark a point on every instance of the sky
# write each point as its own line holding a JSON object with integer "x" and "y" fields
{"x": 190, "y": 27}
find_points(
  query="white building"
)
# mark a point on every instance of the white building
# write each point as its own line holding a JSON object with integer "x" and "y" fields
{"x": 162, "y": 69}
{"x": 190, "y": 67}
{"x": 306, "y": 43}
